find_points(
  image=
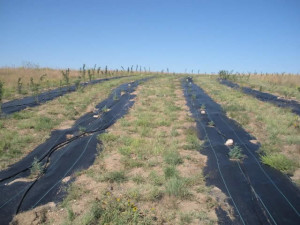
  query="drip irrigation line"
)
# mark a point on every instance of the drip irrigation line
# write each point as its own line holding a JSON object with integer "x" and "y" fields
{"x": 218, "y": 165}
{"x": 91, "y": 132}
{"x": 238, "y": 163}
{"x": 60, "y": 145}
{"x": 255, "y": 193}
{"x": 64, "y": 174}
{"x": 264, "y": 172}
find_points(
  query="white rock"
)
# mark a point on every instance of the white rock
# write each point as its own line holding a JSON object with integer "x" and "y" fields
{"x": 96, "y": 116}
{"x": 229, "y": 142}
{"x": 202, "y": 112}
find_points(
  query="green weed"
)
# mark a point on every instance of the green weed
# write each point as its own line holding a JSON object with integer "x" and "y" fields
{"x": 176, "y": 186}
{"x": 115, "y": 176}
{"x": 280, "y": 162}
{"x": 236, "y": 153}
{"x": 36, "y": 168}
{"x": 172, "y": 157}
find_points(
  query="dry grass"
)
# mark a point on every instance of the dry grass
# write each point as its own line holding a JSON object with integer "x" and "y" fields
{"x": 289, "y": 80}
{"x": 284, "y": 85}
{"x": 46, "y": 78}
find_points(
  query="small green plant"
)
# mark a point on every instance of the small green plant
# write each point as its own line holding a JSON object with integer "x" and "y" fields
{"x": 211, "y": 123}
{"x": 82, "y": 129}
{"x": 115, "y": 210}
{"x": 176, "y": 186}
{"x": 115, "y": 98}
{"x": 115, "y": 176}
{"x": 203, "y": 107}
{"x": 173, "y": 158}
{"x": 155, "y": 178}
{"x": 90, "y": 75}
{"x": 83, "y": 72}
{"x": 35, "y": 88}
{"x": 139, "y": 179}
{"x": 193, "y": 96}
{"x": 224, "y": 74}
{"x": 170, "y": 171}
{"x": 19, "y": 86}
{"x": 77, "y": 83}
{"x": 71, "y": 214}
{"x": 186, "y": 218}
{"x": 36, "y": 168}
{"x": 66, "y": 76}
{"x": 236, "y": 153}
{"x": 104, "y": 109}
{"x": 43, "y": 77}
{"x": 1, "y": 93}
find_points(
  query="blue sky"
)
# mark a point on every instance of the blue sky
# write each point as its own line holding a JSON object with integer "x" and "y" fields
{"x": 205, "y": 35}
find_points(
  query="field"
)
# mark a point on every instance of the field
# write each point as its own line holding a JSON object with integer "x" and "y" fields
{"x": 157, "y": 152}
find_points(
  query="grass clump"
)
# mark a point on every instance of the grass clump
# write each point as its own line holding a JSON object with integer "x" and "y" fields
{"x": 115, "y": 176}
{"x": 36, "y": 168}
{"x": 170, "y": 171}
{"x": 156, "y": 179}
{"x": 236, "y": 153}
{"x": 173, "y": 157}
{"x": 176, "y": 186}
{"x": 112, "y": 210}
{"x": 280, "y": 162}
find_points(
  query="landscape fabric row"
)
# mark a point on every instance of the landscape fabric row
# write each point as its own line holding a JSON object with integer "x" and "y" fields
{"x": 265, "y": 97}
{"x": 65, "y": 152}
{"x": 257, "y": 193}
{"x": 32, "y": 101}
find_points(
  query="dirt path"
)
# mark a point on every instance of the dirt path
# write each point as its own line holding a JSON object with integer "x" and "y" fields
{"x": 32, "y": 101}
{"x": 65, "y": 152}
{"x": 259, "y": 194}
{"x": 265, "y": 97}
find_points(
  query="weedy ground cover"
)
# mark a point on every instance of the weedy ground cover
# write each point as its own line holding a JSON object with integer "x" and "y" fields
{"x": 145, "y": 173}
{"x": 276, "y": 129}
{"x": 21, "y": 132}
{"x": 283, "y": 85}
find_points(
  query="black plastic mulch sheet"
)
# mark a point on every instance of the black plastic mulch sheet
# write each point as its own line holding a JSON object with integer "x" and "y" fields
{"x": 65, "y": 152}
{"x": 265, "y": 97}
{"x": 32, "y": 101}
{"x": 257, "y": 193}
